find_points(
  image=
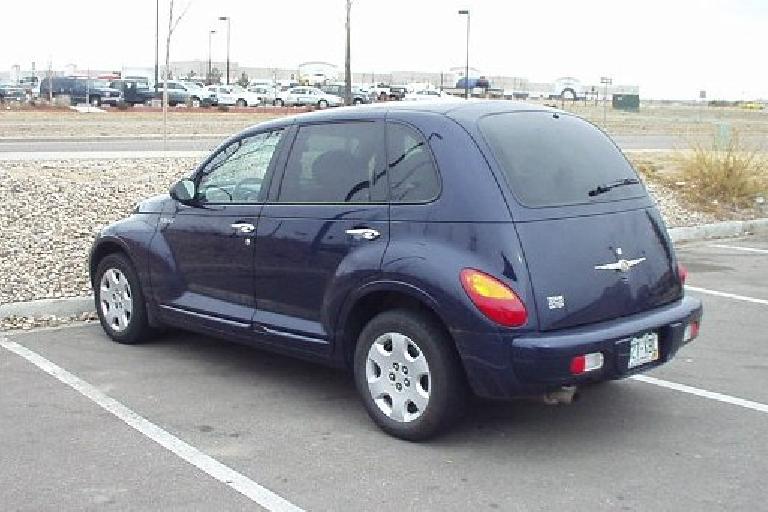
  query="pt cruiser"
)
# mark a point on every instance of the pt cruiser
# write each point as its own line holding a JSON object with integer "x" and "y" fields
{"x": 434, "y": 250}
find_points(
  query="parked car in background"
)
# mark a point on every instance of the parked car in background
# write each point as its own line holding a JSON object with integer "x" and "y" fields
{"x": 180, "y": 93}
{"x": 81, "y": 90}
{"x": 234, "y": 95}
{"x": 359, "y": 96}
{"x": 266, "y": 92}
{"x": 307, "y": 96}
{"x": 348, "y": 238}
{"x": 135, "y": 91}
{"x": 429, "y": 94}
{"x": 397, "y": 92}
{"x": 12, "y": 92}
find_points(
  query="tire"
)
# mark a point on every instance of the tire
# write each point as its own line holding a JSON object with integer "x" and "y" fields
{"x": 278, "y": 103}
{"x": 129, "y": 324}
{"x": 357, "y": 101}
{"x": 242, "y": 103}
{"x": 322, "y": 104}
{"x": 413, "y": 407}
{"x": 95, "y": 101}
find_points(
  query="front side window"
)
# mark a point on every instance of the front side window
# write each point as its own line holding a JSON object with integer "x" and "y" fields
{"x": 236, "y": 174}
{"x": 412, "y": 174}
{"x": 335, "y": 163}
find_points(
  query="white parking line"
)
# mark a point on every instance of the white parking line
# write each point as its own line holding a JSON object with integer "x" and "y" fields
{"x": 726, "y": 295}
{"x": 737, "y": 248}
{"x": 241, "y": 483}
{"x": 747, "y": 404}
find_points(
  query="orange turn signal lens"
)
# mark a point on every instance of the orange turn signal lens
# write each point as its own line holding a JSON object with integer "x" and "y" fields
{"x": 493, "y": 298}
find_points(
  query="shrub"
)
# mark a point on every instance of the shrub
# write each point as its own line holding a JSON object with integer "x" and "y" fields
{"x": 732, "y": 176}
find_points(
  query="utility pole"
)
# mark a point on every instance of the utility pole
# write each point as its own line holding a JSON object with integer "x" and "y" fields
{"x": 466, "y": 70}
{"x": 227, "y": 19}
{"x": 347, "y": 64}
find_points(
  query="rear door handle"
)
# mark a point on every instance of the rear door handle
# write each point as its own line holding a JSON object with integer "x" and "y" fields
{"x": 366, "y": 233}
{"x": 244, "y": 227}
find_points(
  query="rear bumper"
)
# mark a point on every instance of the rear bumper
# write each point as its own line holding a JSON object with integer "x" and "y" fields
{"x": 506, "y": 365}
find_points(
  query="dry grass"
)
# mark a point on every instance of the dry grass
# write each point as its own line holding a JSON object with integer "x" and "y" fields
{"x": 730, "y": 177}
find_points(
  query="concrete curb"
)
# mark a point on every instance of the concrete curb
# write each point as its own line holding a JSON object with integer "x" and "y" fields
{"x": 67, "y": 306}
{"x": 77, "y": 305}
{"x": 719, "y": 230}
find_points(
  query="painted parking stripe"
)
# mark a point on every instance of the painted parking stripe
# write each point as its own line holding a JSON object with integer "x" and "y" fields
{"x": 726, "y": 295}
{"x": 747, "y": 404}
{"x": 240, "y": 483}
{"x": 737, "y": 248}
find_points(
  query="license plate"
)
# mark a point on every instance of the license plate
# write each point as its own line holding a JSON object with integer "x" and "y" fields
{"x": 644, "y": 349}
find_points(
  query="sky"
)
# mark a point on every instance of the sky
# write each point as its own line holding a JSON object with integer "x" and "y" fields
{"x": 670, "y": 48}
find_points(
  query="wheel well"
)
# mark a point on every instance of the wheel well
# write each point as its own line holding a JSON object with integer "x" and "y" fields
{"x": 377, "y": 302}
{"x": 101, "y": 252}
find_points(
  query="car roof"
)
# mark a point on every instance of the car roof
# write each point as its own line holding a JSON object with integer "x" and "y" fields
{"x": 461, "y": 111}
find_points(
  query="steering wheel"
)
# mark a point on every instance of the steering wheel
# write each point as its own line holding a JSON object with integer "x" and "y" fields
{"x": 241, "y": 190}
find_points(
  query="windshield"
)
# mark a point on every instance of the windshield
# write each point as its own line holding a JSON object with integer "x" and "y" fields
{"x": 551, "y": 159}
{"x": 99, "y": 83}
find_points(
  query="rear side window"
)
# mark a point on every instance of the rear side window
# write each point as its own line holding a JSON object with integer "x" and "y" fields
{"x": 557, "y": 159}
{"x": 335, "y": 163}
{"x": 412, "y": 174}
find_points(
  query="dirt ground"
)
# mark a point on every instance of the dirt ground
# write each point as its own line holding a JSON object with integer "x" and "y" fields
{"x": 678, "y": 120}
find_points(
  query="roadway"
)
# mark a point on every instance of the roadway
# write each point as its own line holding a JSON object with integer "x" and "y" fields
{"x": 192, "y": 423}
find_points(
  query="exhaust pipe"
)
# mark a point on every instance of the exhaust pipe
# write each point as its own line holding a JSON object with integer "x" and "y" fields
{"x": 565, "y": 395}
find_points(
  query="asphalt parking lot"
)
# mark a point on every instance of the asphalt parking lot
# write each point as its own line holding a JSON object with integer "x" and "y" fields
{"x": 238, "y": 427}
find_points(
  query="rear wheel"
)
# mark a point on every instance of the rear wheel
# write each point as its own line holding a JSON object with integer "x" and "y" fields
{"x": 120, "y": 301}
{"x": 242, "y": 103}
{"x": 409, "y": 375}
{"x": 322, "y": 104}
{"x": 278, "y": 102}
{"x": 95, "y": 101}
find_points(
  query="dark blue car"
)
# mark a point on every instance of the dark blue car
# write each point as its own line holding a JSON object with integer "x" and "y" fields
{"x": 499, "y": 248}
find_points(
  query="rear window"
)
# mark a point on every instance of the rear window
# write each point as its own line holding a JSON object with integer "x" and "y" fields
{"x": 553, "y": 159}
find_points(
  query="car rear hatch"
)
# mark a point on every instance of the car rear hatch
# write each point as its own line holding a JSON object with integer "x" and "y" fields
{"x": 595, "y": 246}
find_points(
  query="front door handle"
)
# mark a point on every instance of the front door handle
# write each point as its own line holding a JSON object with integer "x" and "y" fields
{"x": 244, "y": 227}
{"x": 366, "y": 233}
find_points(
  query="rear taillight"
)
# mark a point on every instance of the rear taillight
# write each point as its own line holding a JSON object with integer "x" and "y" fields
{"x": 493, "y": 298}
{"x": 682, "y": 272}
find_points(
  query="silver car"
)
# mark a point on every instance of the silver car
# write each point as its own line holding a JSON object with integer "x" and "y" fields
{"x": 307, "y": 96}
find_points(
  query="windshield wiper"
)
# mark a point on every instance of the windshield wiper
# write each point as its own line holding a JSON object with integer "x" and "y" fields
{"x": 602, "y": 189}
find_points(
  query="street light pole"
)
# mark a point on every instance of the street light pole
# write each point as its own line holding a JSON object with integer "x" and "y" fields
{"x": 466, "y": 69}
{"x": 210, "y": 34}
{"x": 157, "y": 37}
{"x": 606, "y": 81}
{"x": 226, "y": 18}
{"x": 347, "y": 62}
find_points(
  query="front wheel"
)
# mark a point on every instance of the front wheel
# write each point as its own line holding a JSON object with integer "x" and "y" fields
{"x": 95, "y": 101}
{"x": 409, "y": 375}
{"x": 242, "y": 103}
{"x": 120, "y": 301}
{"x": 322, "y": 104}
{"x": 278, "y": 103}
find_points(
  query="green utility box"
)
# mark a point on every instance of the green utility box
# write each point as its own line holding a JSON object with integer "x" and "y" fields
{"x": 626, "y": 102}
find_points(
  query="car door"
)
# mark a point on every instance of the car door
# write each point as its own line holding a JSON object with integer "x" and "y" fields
{"x": 323, "y": 232}
{"x": 205, "y": 273}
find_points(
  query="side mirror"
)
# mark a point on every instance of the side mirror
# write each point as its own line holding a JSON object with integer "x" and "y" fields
{"x": 184, "y": 191}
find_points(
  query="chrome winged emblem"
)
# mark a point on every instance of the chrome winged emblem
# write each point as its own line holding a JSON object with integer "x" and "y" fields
{"x": 622, "y": 265}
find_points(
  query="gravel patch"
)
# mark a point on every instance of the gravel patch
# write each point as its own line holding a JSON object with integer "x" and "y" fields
{"x": 50, "y": 212}
{"x": 24, "y": 323}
